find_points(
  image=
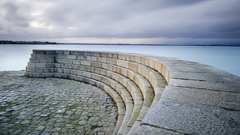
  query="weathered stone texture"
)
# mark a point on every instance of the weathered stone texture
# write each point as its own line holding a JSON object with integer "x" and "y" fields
{"x": 198, "y": 99}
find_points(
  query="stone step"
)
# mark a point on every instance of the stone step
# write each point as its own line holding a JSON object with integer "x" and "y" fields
{"x": 67, "y": 62}
{"x": 131, "y": 87}
{"x": 157, "y": 81}
{"x": 122, "y": 92}
{"x": 196, "y": 95}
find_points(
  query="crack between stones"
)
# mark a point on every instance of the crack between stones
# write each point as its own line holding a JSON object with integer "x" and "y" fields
{"x": 228, "y": 109}
{"x": 204, "y": 89}
{"x": 152, "y": 125}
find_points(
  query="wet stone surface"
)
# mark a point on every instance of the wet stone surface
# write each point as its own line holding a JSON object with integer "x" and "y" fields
{"x": 53, "y": 106}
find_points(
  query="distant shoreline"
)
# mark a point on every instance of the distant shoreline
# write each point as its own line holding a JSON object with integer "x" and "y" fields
{"x": 142, "y": 44}
{"x": 113, "y": 44}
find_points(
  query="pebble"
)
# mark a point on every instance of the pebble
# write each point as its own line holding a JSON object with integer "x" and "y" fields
{"x": 53, "y": 106}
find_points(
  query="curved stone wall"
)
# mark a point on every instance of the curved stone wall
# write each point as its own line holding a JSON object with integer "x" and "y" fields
{"x": 154, "y": 95}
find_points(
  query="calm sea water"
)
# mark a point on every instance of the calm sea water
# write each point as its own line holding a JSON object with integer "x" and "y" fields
{"x": 15, "y": 57}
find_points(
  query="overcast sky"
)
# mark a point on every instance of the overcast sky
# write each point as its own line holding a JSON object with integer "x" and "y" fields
{"x": 122, "y": 21}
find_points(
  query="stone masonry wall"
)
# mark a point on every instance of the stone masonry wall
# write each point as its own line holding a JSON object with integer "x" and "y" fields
{"x": 154, "y": 95}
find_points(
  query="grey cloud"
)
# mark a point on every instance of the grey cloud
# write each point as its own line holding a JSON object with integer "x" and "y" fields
{"x": 128, "y": 19}
{"x": 13, "y": 16}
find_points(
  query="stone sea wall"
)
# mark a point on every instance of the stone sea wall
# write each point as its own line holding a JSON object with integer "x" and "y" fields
{"x": 154, "y": 95}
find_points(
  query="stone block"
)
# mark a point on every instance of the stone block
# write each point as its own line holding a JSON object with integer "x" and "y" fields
{"x": 105, "y": 66}
{"x": 48, "y": 75}
{"x": 87, "y": 63}
{"x": 86, "y": 74}
{"x": 66, "y": 71}
{"x": 88, "y": 53}
{"x": 66, "y": 66}
{"x": 48, "y": 70}
{"x": 67, "y": 61}
{"x": 38, "y": 52}
{"x": 205, "y": 77}
{"x": 130, "y": 74}
{"x": 122, "y": 63}
{"x": 49, "y": 65}
{"x": 34, "y": 60}
{"x": 66, "y": 52}
{"x": 39, "y": 56}
{"x": 167, "y": 76}
{"x": 145, "y": 72}
{"x": 77, "y": 67}
{"x": 40, "y": 75}
{"x": 61, "y": 56}
{"x": 50, "y": 52}
{"x": 114, "y": 68}
{"x": 58, "y": 75}
{"x": 124, "y": 71}
{"x": 158, "y": 67}
{"x": 59, "y": 52}
{"x": 133, "y": 66}
{"x": 103, "y": 72}
{"x": 121, "y": 56}
{"x": 219, "y": 86}
{"x": 192, "y": 118}
{"x": 101, "y": 59}
{"x": 65, "y": 76}
{"x": 72, "y": 57}
{"x": 127, "y": 57}
{"x": 77, "y": 62}
{"x": 142, "y": 60}
{"x": 57, "y": 65}
{"x": 42, "y": 65}
{"x": 109, "y": 55}
{"x": 104, "y": 54}
{"x": 137, "y": 59}
{"x": 83, "y": 68}
{"x": 203, "y": 96}
{"x": 118, "y": 70}
{"x": 59, "y": 70}
{"x": 147, "y": 61}
{"x": 49, "y": 56}
{"x": 46, "y": 60}
{"x": 91, "y": 58}
{"x": 81, "y": 57}
{"x": 58, "y": 60}
{"x": 116, "y": 76}
{"x": 114, "y": 55}
{"x": 90, "y": 69}
{"x": 32, "y": 65}
{"x": 111, "y": 61}
{"x": 96, "y": 64}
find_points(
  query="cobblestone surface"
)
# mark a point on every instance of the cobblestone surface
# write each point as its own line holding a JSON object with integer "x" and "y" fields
{"x": 53, "y": 106}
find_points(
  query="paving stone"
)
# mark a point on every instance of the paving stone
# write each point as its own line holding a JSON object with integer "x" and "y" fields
{"x": 48, "y": 106}
{"x": 40, "y": 127}
{"x": 25, "y": 122}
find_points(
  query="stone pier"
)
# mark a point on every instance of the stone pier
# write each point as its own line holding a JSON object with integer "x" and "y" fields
{"x": 153, "y": 95}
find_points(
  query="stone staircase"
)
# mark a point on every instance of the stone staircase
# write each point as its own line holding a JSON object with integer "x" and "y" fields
{"x": 137, "y": 83}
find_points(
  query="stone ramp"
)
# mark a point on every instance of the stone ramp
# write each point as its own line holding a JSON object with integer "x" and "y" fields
{"x": 161, "y": 95}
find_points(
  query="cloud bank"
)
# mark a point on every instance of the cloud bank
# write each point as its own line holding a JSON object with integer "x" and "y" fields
{"x": 125, "y": 21}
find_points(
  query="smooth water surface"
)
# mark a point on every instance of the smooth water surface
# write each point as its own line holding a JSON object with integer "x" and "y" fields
{"x": 15, "y": 57}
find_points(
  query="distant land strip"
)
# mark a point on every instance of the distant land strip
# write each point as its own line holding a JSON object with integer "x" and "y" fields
{"x": 47, "y": 42}
{"x": 25, "y": 42}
